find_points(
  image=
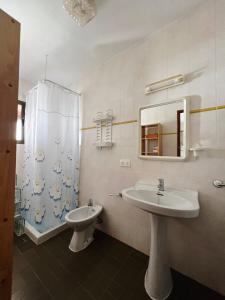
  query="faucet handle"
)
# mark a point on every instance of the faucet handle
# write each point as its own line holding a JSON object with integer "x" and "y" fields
{"x": 90, "y": 202}
{"x": 218, "y": 183}
{"x": 115, "y": 195}
{"x": 161, "y": 184}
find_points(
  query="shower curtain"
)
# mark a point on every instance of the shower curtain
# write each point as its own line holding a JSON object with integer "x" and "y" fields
{"x": 51, "y": 158}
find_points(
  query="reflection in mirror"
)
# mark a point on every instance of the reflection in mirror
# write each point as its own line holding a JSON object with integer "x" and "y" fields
{"x": 163, "y": 130}
{"x": 180, "y": 131}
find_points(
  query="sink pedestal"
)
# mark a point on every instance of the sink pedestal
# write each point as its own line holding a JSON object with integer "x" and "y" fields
{"x": 158, "y": 280}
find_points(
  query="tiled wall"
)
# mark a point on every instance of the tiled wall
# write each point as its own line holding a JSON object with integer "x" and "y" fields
{"x": 194, "y": 46}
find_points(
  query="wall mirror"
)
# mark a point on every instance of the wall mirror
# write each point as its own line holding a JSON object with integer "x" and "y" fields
{"x": 163, "y": 130}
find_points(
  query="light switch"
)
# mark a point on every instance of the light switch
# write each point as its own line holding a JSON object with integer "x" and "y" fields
{"x": 125, "y": 162}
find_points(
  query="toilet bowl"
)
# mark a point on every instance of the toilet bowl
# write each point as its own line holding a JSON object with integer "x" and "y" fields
{"x": 82, "y": 220}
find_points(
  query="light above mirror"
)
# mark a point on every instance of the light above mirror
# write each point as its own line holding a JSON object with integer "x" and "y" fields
{"x": 164, "y": 84}
{"x": 163, "y": 130}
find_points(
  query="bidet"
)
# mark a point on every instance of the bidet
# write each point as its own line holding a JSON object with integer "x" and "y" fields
{"x": 82, "y": 220}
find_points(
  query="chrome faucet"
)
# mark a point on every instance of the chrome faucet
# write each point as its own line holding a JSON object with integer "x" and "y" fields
{"x": 90, "y": 202}
{"x": 160, "y": 186}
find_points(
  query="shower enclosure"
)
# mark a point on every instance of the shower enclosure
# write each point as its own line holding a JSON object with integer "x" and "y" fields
{"x": 51, "y": 156}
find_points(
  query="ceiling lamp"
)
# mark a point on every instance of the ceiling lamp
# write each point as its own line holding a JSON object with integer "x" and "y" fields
{"x": 82, "y": 11}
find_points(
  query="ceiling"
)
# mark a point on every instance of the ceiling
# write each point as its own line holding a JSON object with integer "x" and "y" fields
{"x": 73, "y": 51}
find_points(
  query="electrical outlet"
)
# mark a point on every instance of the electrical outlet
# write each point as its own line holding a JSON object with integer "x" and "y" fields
{"x": 125, "y": 162}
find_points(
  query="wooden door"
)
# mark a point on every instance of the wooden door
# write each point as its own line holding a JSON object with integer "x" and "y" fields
{"x": 9, "y": 72}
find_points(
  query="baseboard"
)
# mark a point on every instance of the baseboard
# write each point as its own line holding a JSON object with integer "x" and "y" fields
{"x": 39, "y": 238}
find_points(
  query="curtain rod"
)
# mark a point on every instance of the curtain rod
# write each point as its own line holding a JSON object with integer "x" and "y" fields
{"x": 65, "y": 88}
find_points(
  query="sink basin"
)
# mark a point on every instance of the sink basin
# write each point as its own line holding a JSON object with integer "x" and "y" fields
{"x": 171, "y": 202}
{"x": 176, "y": 203}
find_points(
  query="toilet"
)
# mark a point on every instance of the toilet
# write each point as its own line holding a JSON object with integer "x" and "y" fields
{"x": 82, "y": 220}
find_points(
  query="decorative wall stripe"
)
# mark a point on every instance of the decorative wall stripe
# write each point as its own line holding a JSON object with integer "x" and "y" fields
{"x": 199, "y": 110}
{"x": 169, "y": 133}
{"x": 114, "y": 124}
{"x": 124, "y": 122}
{"x": 193, "y": 111}
{"x": 88, "y": 128}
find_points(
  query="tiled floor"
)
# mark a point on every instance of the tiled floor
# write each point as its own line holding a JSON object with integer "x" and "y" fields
{"x": 106, "y": 270}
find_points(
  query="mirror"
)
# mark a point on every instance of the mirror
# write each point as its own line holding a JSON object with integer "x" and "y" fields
{"x": 163, "y": 130}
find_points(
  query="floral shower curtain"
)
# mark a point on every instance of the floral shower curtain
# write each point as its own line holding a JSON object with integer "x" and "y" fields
{"x": 51, "y": 158}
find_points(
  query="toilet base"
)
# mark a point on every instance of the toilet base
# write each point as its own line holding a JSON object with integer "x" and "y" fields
{"x": 82, "y": 239}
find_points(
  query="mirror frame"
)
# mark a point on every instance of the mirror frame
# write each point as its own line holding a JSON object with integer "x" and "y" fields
{"x": 186, "y": 132}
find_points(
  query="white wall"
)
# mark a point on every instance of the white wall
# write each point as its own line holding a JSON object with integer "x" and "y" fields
{"x": 24, "y": 87}
{"x": 194, "y": 46}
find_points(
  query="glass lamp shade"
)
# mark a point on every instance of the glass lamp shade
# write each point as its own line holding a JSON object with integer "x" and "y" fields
{"x": 82, "y": 11}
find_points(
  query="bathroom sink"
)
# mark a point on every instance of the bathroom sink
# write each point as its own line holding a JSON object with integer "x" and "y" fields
{"x": 171, "y": 202}
{"x": 161, "y": 203}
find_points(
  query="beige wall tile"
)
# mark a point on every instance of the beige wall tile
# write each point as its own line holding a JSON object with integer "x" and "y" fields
{"x": 194, "y": 46}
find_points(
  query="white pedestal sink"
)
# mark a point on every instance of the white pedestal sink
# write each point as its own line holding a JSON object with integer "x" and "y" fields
{"x": 171, "y": 203}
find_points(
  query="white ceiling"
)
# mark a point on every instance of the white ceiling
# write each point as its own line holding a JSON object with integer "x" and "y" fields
{"x": 74, "y": 51}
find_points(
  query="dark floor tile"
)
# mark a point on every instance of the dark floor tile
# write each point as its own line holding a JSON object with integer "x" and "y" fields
{"x": 31, "y": 294}
{"x": 140, "y": 258}
{"x": 129, "y": 282}
{"x": 46, "y": 276}
{"x": 30, "y": 278}
{"x": 60, "y": 251}
{"x": 66, "y": 236}
{"x": 119, "y": 251}
{"x": 79, "y": 293}
{"x": 100, "y": 277}
{"x": 30, "y": 255}
{"x": 54, "y": 244}
{"x": 23, "y": 242}
{"x": 116, "y": 290}
{"x": 49, "y": 260}
{"x": 19, "y": 261}
{"x": 131, "y": 273}
{"x": 30, "y": 287}
{"x": 198, "y": 291}
{"x": 107, "y": 269}
{"x": 187, "y": 289}
{"x": 18, "y": 282}
{"x": 106, "y": 296}
{"x": 63, "y": 289}
{"x": 119, "y": 292}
